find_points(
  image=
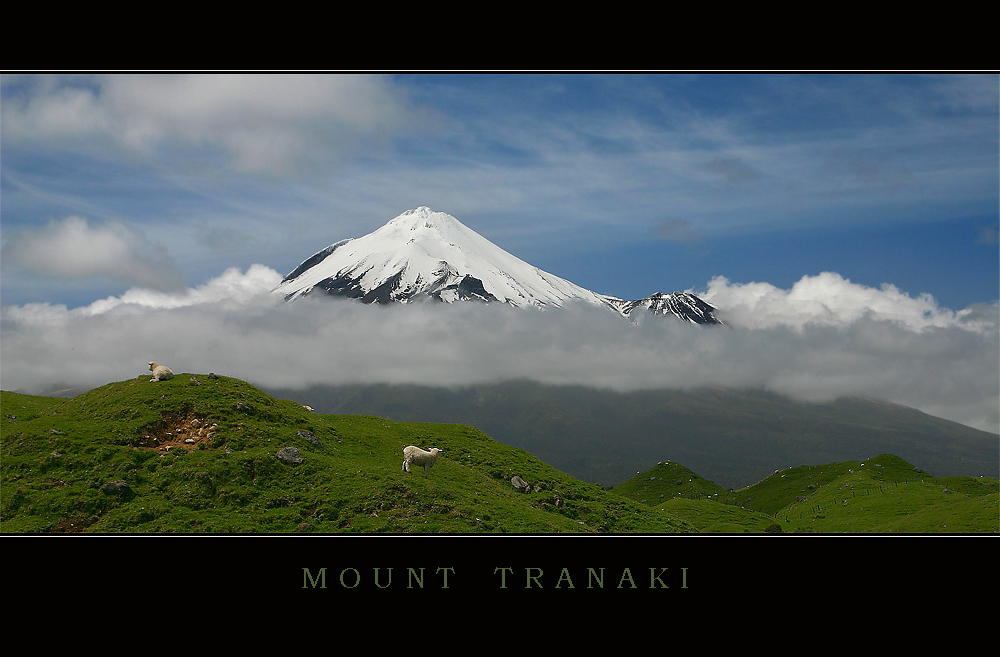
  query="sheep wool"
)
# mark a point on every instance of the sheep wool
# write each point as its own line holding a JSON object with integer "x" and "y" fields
{"x": 416, "y": 456}
{"x": 160, "y": 372}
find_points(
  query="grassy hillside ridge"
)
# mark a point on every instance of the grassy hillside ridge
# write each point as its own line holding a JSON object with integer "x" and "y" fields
{"x": 212, "y": 454}
{"x": 881, "y": 494}
{"x": 200, "y": 453}
{"x": 732, "y": 437}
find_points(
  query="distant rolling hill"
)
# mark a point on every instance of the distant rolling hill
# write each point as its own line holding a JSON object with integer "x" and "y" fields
{"x": 882, "y": 494}
{"x": 732, "y": 437}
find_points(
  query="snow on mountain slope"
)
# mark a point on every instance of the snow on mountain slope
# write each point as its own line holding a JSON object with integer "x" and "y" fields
{"x": 427, "y": 255}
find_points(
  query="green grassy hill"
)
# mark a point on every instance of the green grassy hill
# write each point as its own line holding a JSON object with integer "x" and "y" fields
{"x": 201, "y": 453}
{"x": 212, "y": 454}
{"x": 882, "y": 494}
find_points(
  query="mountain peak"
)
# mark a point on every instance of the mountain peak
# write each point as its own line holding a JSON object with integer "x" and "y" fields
{"x": 422, "y": 213}
{"x": 432, "y": 230}
{"x": 426, "y": 255}
{"x": 422, "y": 218}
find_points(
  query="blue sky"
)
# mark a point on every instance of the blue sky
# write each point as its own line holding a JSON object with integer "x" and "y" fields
{"x": 625, "y": 183}
{"x": 845, "y": 225}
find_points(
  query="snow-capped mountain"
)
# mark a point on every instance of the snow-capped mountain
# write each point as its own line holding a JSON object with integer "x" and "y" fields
{"x": 427, "y": 255}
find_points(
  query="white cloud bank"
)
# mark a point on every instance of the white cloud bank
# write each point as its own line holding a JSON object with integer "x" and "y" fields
{"x": 825, "y": 337}
{"x": 828, "y": 299}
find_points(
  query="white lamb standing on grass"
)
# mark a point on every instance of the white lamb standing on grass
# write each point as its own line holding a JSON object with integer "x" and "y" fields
{"x": 160, "y": 372}
{"x": 415, "y": 455}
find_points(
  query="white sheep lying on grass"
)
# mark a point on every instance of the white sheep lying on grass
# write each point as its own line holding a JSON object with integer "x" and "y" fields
{"x": 415, "y": 455}
{"x": 160, "y": 372}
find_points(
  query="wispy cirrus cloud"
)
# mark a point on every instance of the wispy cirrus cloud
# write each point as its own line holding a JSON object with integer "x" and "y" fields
{"x": 248, "y": 123}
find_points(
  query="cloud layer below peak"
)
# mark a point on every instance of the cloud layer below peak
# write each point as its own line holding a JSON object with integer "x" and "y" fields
{"x": 823, "y": 338}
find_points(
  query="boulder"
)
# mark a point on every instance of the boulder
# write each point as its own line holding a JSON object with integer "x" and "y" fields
{"x": 520, "y": 484}
{"x": 290, "y": 455}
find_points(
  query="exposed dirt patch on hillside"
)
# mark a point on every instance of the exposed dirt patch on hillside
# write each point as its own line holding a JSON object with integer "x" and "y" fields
{"x": 179, "y": 430}
{"x": 72, "y": 525}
